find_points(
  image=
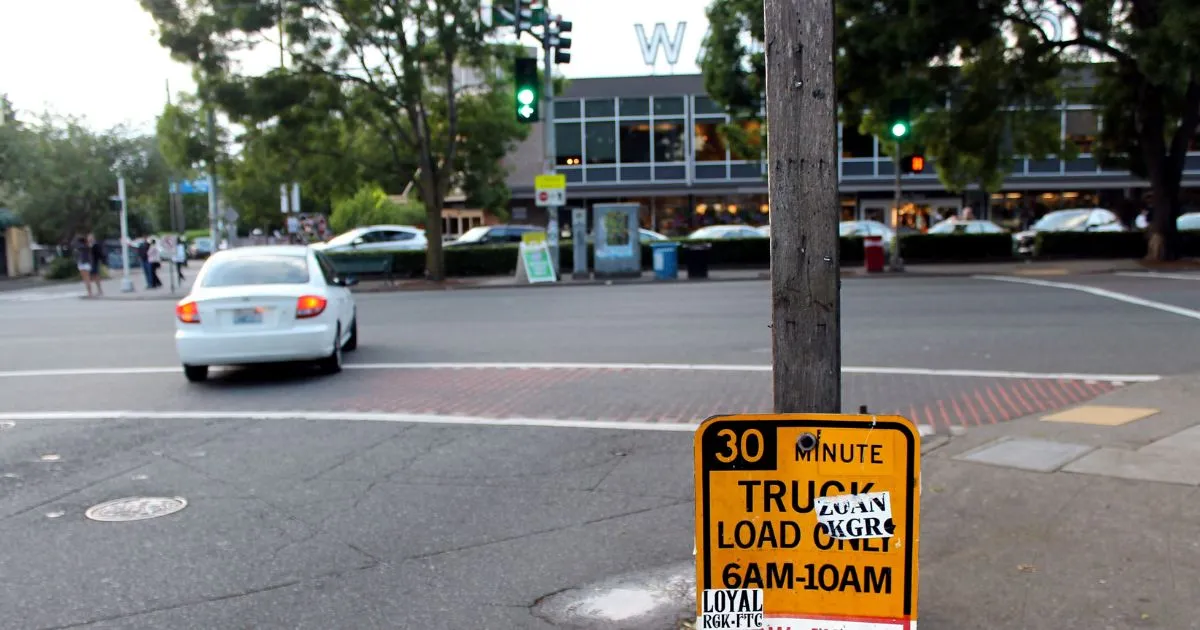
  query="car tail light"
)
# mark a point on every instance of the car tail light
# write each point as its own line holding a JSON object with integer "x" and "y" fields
{"x": 188, "y": 312}
{"x": 310, "y": 306}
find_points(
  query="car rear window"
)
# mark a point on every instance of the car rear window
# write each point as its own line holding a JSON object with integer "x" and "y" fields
{"x": 256, "y": 270}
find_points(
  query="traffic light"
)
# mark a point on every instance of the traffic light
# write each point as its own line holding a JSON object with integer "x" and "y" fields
{"x": 914, "y": 163}
{"x": 525, "y": 73}
{"x": 523, "y": 15}
{"x": 561, "y": 44}
{"x": 899, "y": 112}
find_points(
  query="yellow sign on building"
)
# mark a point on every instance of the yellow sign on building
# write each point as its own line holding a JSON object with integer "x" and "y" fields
{"x": 807, "y": 521}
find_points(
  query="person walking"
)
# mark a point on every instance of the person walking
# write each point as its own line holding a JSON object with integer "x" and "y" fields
{"x": 83, "y": 262}
{"x": 154, "y": 256}
{"x": 95, "y": 262}
{"x": 180, "y": 257}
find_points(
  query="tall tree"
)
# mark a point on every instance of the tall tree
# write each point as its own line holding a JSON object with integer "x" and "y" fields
{"x": 986, "y": 55}
{"x": 407, "y": 70}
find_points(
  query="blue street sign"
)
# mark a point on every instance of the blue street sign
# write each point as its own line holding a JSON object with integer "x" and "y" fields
{"x": 192, "y": 187}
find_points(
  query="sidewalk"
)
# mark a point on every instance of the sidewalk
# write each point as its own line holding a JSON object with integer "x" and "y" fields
{"x": 112, "y": 286}
{"x": 1037, "y": 269}
{"x": 1088, "y": 519}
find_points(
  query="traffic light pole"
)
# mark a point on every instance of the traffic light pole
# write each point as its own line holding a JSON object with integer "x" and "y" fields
{"x": 548, "y": 162}
{"x": 897, "y": 263}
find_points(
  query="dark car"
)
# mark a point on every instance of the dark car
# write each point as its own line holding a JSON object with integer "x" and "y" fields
{"x": 493, "y": 235}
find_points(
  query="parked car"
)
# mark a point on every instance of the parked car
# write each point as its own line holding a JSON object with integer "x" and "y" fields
{"x": 200, "y": 248}
{"x": 265, "y": 304}
{"x": 860, "y": 229}
{"x": 1075, "y": 220}
{"x": 493, "y": 235}
{"x": 725, "y": 232}
{"x": 1188, "y": 221}
{"x": 375, "y": 238}
{"x": 959, "y": 226}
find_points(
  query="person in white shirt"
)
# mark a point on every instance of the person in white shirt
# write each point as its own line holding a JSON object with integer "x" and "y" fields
{"x": 180, "y": 257}
{"x": 154, "y": 257}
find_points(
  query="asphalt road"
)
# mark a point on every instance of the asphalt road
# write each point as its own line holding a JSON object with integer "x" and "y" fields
{"x": 404, "y": 521}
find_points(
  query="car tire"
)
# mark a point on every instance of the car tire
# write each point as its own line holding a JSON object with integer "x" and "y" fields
{"x": 332, "y": 364}
{"x": 352, "y": 342}
{"x": 196, "y": 373}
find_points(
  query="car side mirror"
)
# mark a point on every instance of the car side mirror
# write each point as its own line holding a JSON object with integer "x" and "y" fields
{"x": 348, "y": 281}
{"x": 356, "y": 242}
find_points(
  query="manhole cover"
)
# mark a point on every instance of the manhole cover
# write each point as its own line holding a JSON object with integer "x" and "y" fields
{"x": 135, "y": 509}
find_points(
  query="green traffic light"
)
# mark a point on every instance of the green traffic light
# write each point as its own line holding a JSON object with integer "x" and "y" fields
{"x": 525, "y": 96}
{"x": 899, "y": 129}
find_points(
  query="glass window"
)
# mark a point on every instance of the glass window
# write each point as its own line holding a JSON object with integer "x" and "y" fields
{"x": 668, "y": 106}
{"x": 708, "y": 143}
{"x": 857, "y": 145}
{"x": 635, "y": 142}
{"x": 705, "y": 105}
{"x": 327, "y": 268}
{"x": 635, "y": 107}
{"x": 601, "y": 143}
{"x": 668, "y": 141}
{"x": 600, "y": 108}
{"x": 752, "y": 129}
{"x": 256, "y": 270}
{"x": 1081, "y": 129}
{"x": 397, "y": 235}
{"x": 1080, "y": 95}
{"x": 568, "y": 145}
{"x": 566, "y": 109}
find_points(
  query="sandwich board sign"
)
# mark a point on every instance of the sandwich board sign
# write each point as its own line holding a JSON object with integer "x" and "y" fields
{"x": 534, "y": 262}
{"x": 807, "y": 522}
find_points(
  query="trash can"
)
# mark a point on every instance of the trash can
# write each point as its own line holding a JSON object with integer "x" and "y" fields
{"x": 666, "y": 260}
{"x": 873, "y": 253}
{"x": 697, "y": 260}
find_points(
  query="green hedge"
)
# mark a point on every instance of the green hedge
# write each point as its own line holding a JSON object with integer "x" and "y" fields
{"x": 1106, "y": 244}
{"x": 918, "y": 248}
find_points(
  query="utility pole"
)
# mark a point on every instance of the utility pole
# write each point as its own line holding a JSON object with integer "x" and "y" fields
{"x": 212, "y": 177}
{"x": 802, "y": 156}
{"x": 896, "y": 263}
{"x": 548, "y": 161}
{"x": 126, "y": 281}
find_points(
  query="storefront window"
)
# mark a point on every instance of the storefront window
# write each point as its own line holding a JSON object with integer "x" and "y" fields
{"x": 1080, "y": 95}
{"x": 668, "y": 141}
{"x": 600, "y": 108}
{"x": 668, "y": 106}
{"x": 856, "y": 145}
{"x": 635, "y": 107}
{"x": 566, "y": 109}
{"x": 705, "y": 105}
{"x": 568, "y": 144}
{"x": 752, "y": 141}
{"x": 635, "y": 142}
{"x": 708, "y": 143}
{"x": 601, "y": 143}
{"x": 1081, "y": 129}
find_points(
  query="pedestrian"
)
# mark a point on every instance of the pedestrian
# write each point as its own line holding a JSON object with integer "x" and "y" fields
{"x": 154, "y": 256}
{"x": 142, "y": 247}
{"x": 83, "y": 262}
{"x": 180, "y": 257}
{"x": 96, "y": 260}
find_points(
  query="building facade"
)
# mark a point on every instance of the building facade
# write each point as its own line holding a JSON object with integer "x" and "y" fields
{"x": 654, "y": 140}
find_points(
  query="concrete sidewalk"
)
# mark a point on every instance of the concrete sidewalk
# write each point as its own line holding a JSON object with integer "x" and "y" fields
{"x": 1084, "y": 519}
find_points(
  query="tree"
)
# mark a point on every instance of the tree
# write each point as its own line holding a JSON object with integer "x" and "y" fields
{"x": 67, "y": 175}
{"x": 990, "y": 54}
{"x": 407, "y": 71}
{"x": 371, "y": 206}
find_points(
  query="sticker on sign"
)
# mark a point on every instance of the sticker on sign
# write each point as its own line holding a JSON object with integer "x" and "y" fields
{"x": 792, "y": 623}
{"x": 851, "y": 516}
{"x": 732, "y": 608}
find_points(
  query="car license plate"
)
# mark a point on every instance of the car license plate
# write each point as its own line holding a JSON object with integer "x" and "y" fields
{"x": 247, "y": 316}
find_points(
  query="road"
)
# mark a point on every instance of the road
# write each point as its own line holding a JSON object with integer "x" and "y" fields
{"x": 392, "y": 496}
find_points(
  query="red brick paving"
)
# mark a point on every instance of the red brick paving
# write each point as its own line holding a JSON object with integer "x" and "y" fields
{"x": 650, "y": 396}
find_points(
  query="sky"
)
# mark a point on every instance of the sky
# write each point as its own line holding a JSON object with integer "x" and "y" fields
{"x": 100, "y": 59}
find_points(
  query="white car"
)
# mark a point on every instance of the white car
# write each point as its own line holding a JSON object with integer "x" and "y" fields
{"x": 376, "y": 238}
{"x": 724, "y": 232}
{"x": 265, "y": 304}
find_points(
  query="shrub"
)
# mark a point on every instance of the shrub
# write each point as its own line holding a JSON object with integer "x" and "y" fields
{"x": 1090, "y": 245}
{"x": 62, "y": 268}
{"x": 371, "y": 206}
{"x": 956, "y": 247}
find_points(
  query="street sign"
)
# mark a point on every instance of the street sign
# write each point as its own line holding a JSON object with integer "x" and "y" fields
{"x": 550, "y": 190}
{"x": 191, "y": 187}
{"x": 807, "y": 521}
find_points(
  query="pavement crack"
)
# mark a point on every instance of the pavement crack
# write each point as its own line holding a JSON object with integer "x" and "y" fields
{"x": 76, "y": 490}
{"x": 341, "y": 461}
{"x": 550, "y": 530}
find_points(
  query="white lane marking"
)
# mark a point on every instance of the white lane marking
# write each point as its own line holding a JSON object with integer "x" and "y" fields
{"x": 1112, "y": 295}
{"x": 347, "y": 416}
{"x": 20, "y": 296}
{"x": 675, "y": 367}
{"x": 1158, "y": 274}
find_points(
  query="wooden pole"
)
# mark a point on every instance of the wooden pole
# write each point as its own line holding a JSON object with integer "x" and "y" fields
{"x": 805, "y": 212}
